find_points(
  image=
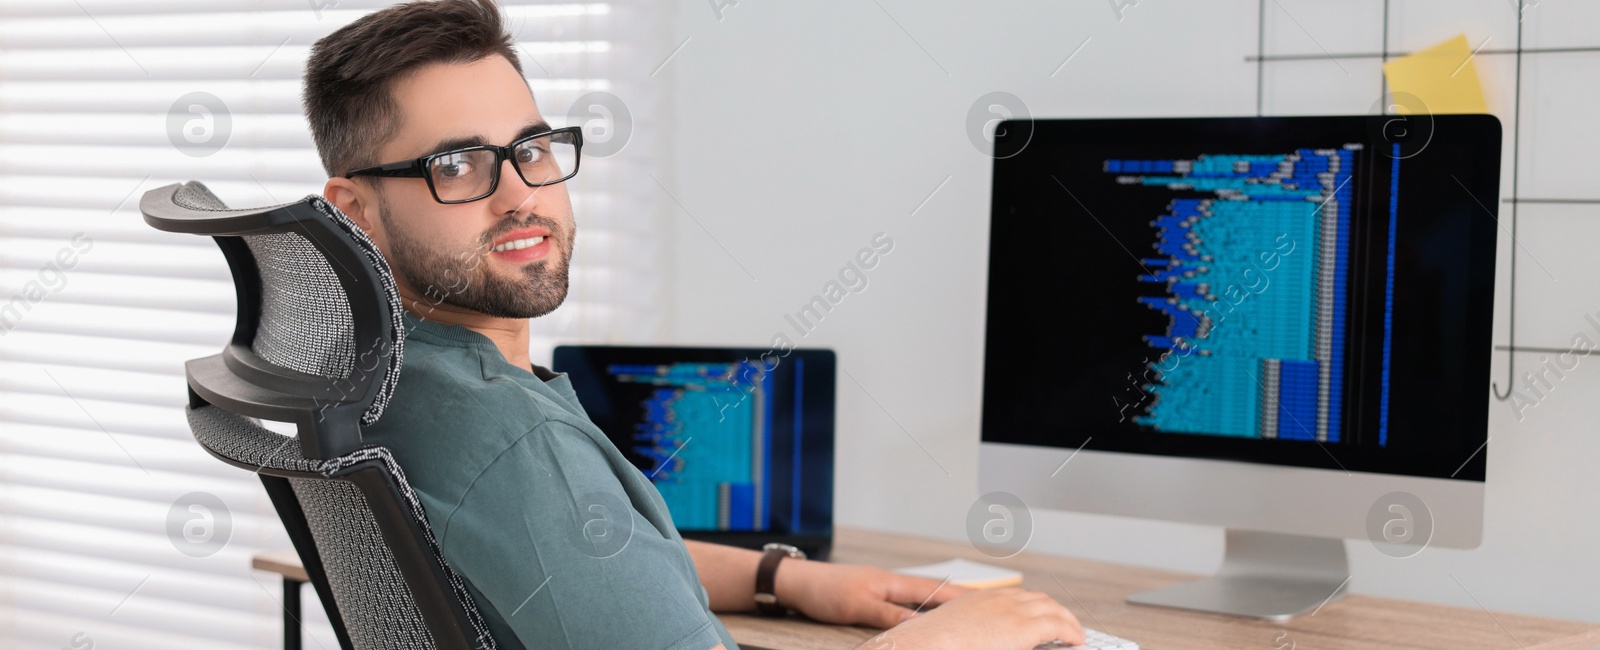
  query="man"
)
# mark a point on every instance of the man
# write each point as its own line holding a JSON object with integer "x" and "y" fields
{"x": 435, "y": 147}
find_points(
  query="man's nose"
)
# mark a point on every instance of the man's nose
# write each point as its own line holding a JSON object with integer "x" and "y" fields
{"x": 513, "y": 196}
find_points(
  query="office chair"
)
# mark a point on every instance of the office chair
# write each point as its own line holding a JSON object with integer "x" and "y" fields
{"x": 318, "y": 343}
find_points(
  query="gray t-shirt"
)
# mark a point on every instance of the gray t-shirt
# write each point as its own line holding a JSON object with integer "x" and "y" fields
{"x": 562, "y": 541}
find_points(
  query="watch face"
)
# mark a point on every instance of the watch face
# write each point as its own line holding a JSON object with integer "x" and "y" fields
{"x": 787, "y": 549}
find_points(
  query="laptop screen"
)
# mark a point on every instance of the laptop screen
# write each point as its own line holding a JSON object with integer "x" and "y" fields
{"x": 736, "y": 440}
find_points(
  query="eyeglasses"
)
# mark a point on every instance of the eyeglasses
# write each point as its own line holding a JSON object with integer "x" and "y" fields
{"x": 471, "y": 173}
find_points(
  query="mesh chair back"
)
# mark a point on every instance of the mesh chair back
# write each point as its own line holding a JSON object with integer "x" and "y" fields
{"x": 318, "y": 343}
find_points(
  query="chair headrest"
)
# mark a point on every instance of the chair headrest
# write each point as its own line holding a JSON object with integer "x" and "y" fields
{"x": 320, "y": 323}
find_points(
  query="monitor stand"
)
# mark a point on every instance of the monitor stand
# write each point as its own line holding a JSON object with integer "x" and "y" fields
{"x": 1263, "y": 575}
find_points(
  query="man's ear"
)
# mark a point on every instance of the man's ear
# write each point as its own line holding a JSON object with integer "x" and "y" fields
{"x": 355, "y": 201}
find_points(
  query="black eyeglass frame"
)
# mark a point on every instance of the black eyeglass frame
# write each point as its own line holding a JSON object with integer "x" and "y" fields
{"x": 418, "y": 167}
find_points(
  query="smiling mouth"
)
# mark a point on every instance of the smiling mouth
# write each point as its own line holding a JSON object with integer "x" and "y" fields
{"x": 518, "y": 244}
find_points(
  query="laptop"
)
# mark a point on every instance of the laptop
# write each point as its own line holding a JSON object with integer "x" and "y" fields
{"x": 738, "y": 441}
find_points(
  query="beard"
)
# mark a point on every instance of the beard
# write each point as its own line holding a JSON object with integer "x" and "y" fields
{"x": 462, "y": 278}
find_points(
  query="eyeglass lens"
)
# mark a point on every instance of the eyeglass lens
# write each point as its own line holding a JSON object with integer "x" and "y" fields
{"x": 470, "y": 174}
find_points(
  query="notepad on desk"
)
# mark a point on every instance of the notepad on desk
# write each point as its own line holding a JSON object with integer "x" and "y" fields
{"x": 966, "y": 573}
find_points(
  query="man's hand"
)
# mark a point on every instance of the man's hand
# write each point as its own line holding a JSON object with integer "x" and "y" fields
{"x": 1006, "y": 619}
{"x": 850, "y": 594}
{"x": 862, "y": 595}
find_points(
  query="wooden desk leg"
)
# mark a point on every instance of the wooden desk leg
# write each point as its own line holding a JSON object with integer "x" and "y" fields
{"x": 291, "y": 613}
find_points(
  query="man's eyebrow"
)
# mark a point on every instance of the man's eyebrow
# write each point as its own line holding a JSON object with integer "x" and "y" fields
{"x": 536, "y": 127}
{"x": 478, "y": 140}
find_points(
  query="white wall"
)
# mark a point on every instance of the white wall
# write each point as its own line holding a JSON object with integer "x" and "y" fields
{"x": 805, "y": 128}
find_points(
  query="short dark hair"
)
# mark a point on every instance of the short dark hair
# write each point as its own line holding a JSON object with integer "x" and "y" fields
{"x": 350, "y": 76}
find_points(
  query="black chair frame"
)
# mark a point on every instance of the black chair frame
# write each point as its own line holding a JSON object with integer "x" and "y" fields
{"x": 327, "y": 413}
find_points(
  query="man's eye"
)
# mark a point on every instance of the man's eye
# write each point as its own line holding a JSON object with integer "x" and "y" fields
{"x": 455, "y": 170}
{"x": 529, "y": 154}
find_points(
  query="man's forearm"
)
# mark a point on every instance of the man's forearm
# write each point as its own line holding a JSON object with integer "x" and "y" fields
{"x": 727, "y": 573}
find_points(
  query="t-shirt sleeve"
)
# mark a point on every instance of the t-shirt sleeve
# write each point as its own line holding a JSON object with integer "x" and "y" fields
{"x": 566, "y": 559}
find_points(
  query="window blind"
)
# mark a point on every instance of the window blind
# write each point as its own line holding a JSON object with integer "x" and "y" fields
{"x": 101, "y": 100}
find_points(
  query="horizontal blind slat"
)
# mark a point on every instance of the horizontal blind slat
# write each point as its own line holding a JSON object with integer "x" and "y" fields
{"x": 180, "y": 588}
{"x": 268, "y": 96}
{"x": 216, "y": 60}
{"x": 137, "y": 356}
{"x": 33, "y": 627}
{"x": 110, "y": 513}
{"x": 121, "y": 545}
{"x": 197, "y": 622}
{"x": 182, "y": 456}
{"x": 179, "y": 295}
{"x": 222, "y": 8}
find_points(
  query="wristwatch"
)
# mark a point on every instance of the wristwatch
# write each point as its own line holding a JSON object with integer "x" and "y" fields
{"x": 767, "y": 577}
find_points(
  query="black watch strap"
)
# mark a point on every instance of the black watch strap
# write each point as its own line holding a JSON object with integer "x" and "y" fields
{"x": 767, "y": 577}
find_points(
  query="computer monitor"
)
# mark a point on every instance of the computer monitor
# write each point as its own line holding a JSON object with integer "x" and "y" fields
{"x": 739, "y": 442}
{"x": 1280, "y": 326}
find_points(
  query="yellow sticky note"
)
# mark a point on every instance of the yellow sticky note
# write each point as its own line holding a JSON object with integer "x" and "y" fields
{"x": 1442, "y": 79}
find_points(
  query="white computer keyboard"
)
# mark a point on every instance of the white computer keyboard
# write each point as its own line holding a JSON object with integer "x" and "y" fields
{"x": 1093, "y": 640}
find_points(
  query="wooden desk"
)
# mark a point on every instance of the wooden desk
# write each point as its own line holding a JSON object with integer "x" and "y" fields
{"x": 1094, "y": 591}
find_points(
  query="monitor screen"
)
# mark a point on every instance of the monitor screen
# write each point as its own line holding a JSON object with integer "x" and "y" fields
{"x": 735, "y": 440}
{"x": 1305, "y": 291}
